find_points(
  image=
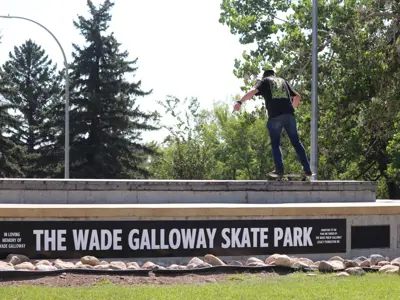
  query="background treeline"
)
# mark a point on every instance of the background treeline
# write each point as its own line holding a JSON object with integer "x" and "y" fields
{"x": 359, "y": 93}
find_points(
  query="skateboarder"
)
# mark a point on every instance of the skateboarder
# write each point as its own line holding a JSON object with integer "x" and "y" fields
{"x": 277, "y": 94}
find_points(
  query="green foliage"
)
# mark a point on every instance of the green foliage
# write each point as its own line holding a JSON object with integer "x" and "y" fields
{"x": 30, "y": 84}
{"x": 358, "y": 77}
{"x": 244, "y": 148}
{"x": 184, "y": 153}
{"x": 359, "y": 111}
{"x": 106, "y": 122}
{"x": 217, "y": 144}
{"x": 10, "y": 152}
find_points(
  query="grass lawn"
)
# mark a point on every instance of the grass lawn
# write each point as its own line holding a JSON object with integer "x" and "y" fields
{"x": 295, "y": 286}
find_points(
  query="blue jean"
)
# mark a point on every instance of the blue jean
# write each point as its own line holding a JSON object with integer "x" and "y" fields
{"x": 275, "y": 126}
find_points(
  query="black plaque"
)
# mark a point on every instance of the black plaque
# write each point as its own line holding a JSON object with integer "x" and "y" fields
{"x": 369, "y": 237}
{"x": 129, "y": 239}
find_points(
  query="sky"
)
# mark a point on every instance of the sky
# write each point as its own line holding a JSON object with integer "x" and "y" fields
{"x": 181, "y": 47}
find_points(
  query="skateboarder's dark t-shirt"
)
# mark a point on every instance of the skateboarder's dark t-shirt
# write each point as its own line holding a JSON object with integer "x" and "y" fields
{"x": 276, "y": 93}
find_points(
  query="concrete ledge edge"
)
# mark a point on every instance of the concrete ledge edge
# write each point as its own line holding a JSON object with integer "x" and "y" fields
{"x": 118, "y": 211}
{"x": 183, "y": 185}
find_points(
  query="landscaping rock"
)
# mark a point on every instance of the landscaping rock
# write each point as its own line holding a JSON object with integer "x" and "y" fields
{"x": 392, "y": 271}
{"x": 80, "y": 265}
{"x": 365, "y": 264}
{"x": 117, "y": 265}
{"x": 330, "y": 266}
{"x": 256, "y": 264}
{"x": 204, "y": 265}
{"x": 336, "y": 258}
{"x": 195, "y": 261}
{"x": 355, "y": 271}
{"x": 253, "y": 260}
{"x": 235, "y": 263}
{"x": 148, "y": 265}
{"x": 59, "y": 264}
{"x": 283, "y": 261}
{"x": 13, "y": 260}
{"x": 176, "y": 267}
{"x": 337, "y": 265}
{"x": 383, "y": 263}
{"x": 325, "y": 266}
{"x": 306, "y": 261}
{"x": 90, "y": 260}
{"x": 376, "y": 258}
{"x": 157, "y": 267}
{"x": 346, "y": 267}
{"x": 45, "y": 268}
{"x": 343, "y": 274}
{"x": 300, "y": 265}
{"x": 200, "y": 266}
{"x": 271, "y": 259}
{"x": 213, "y": 260}
{"x": 102, "y": 267}
{"x": 315, "y": 264}
{"x": 132, "y": 265}
{"x": 351, "y": 264}
{"x": 25, "y": 266}
{"x": 43, "y": 263}
{"x": 389, "y": 269}
{"x": 4, "y": 266}
{"x": 395, "y": 262}
{"x": 16, "y": 259}
{"x": 361, "y": 258}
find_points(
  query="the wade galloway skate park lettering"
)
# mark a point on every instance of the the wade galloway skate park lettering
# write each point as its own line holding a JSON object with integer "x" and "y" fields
{"x": 71, "y": 239}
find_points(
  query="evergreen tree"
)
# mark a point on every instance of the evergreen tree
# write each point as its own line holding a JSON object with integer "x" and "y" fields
{"x": 31, "y": 85}
{"x": 106, "y": 124}
{"x": 10, "y": 153}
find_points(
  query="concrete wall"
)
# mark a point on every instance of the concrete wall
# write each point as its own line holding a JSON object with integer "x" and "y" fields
{"x": 379, "y": 213}
{"x": 53, "y": 191}
{"x": 204, "y": 200}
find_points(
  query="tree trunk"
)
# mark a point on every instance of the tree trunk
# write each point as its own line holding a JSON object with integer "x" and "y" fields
{"x": 393, "y": 190}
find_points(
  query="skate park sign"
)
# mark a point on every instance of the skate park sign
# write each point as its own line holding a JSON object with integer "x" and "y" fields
{"x": 129, "y": 239}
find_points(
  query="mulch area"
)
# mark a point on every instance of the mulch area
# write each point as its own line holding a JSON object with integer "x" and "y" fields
{"x": 71, "y": 280}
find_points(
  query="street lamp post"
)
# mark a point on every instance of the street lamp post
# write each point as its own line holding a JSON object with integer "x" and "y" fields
{"x": 314, "y": 92}
{"x": 66, "y": 151}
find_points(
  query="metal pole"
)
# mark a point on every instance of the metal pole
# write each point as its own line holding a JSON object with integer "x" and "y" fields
{"x": 314, "y": 92}
{"x": 66, "y": 150}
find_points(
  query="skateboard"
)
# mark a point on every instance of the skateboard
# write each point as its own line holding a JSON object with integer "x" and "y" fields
{"x": 290, "y": 177}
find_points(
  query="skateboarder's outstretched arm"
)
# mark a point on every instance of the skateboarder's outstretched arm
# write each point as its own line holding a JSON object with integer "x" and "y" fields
{"x": 250, "y": 94}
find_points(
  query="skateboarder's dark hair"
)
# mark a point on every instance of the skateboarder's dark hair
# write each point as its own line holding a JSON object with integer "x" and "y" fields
{"x": 268, "y": 73}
